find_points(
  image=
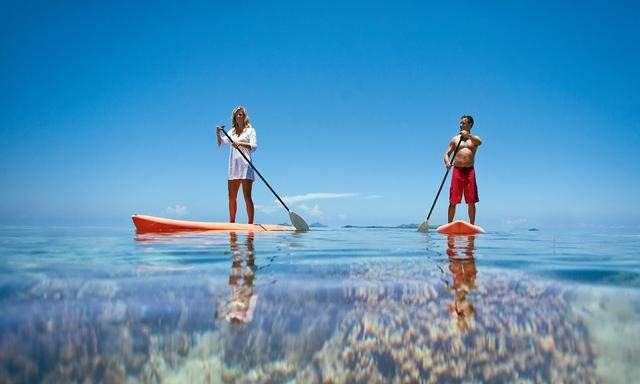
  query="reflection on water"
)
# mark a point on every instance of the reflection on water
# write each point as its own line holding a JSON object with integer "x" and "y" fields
{"x": 463, "y": 267}
{"x": 333, "y": 306}
{"x": 242, "y": 304}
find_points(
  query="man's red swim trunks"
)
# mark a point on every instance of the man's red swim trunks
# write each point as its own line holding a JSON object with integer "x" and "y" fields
{"x": 463, "y": 180}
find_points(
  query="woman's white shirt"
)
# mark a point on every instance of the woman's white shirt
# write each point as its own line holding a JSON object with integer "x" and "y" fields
{"x": 239, "y": 168}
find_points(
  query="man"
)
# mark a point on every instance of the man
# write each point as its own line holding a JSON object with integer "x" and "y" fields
{"x": 463, "y": 180}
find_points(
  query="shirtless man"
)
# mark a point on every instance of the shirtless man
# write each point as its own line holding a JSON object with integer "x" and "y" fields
{"x": 463, "y": 179}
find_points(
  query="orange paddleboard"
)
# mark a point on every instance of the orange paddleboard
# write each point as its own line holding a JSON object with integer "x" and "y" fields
{"x": 151, "y": 224}
{"x": 459, "y": 227}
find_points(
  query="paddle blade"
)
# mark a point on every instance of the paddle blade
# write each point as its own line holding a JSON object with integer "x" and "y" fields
{"x": 424, "y": 227}
{"x": 298, "y": 222}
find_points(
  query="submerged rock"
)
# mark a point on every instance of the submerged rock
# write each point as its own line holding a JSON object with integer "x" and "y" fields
{"x": 403, "y": 331}
{"x": 379, "y": 324}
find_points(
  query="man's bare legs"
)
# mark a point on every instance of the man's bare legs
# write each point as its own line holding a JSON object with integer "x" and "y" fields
{"x": 472, "y": 212}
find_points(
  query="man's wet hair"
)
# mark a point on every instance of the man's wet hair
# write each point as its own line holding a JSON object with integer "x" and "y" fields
{"x": 469, "y": 118}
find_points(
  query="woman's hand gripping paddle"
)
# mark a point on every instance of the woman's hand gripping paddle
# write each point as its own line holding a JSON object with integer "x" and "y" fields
{"x": 297, "y": 221}
{"x": 424, "y": 227}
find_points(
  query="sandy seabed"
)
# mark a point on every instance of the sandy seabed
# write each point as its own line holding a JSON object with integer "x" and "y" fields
{"x": 376, "y": 325}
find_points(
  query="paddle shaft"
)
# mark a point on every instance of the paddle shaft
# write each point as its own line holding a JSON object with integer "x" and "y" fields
{"x": 445, "y": 178}
{"x": 258, "y": 172}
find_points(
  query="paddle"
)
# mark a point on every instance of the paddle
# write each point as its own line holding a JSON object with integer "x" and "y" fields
{"x": 424, "y": 227}
{"x": 296, "y": 220}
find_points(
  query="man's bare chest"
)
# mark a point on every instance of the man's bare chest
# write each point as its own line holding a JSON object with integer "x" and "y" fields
{"x": 467, "y": 144}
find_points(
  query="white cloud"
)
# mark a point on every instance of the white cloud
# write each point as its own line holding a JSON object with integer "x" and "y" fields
{"x": 177, "y": 209}
{"x": 311, "y": 211}
{"x": 316, "y": 196}
{"x": 267, "y": 209}
{"x": 373, "y": 197}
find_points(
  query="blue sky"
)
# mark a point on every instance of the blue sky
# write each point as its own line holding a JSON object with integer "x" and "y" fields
{"x": 109, "y": 109}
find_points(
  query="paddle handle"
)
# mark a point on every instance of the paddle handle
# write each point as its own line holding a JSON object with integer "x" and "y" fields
{"x": 254, "y": 168}
{"x": 445, "y": 178}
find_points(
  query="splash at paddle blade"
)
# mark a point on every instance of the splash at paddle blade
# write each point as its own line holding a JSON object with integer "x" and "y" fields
{"x": 298, "y": 222}
{"x": 424, "y": 227}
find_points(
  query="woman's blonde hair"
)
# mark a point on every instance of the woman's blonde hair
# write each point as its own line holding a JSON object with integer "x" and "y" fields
{"x": 247, "y": 123}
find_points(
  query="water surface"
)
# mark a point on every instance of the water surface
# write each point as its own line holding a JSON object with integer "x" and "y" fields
{"x": 341, "y": 305}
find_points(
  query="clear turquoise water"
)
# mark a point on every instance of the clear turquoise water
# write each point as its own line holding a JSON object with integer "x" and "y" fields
{"x": 341, "y": 305}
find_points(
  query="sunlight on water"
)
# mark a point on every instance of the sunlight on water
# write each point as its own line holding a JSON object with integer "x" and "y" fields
{"x": 341, "y": 305}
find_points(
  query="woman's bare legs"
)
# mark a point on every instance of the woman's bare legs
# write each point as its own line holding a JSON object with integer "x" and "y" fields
{"x": 246, "y": 191}
{"x": 234, "y": 185}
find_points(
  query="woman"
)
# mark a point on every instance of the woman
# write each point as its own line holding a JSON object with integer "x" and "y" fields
{"x": 240, "y": 172}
